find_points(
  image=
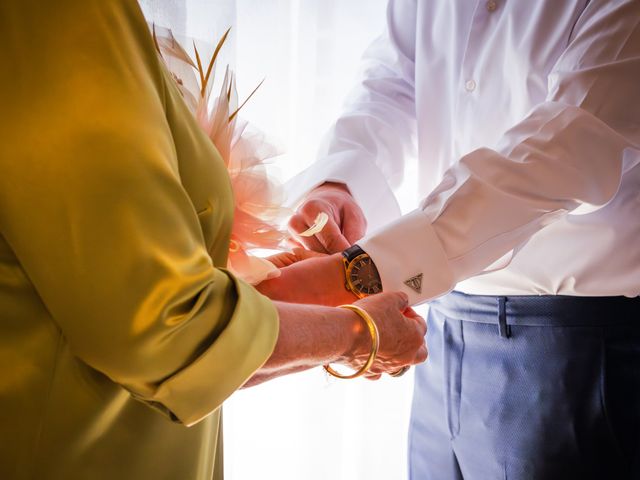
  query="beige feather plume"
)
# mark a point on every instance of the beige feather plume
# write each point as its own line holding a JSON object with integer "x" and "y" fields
{"x": 244, "y": 150}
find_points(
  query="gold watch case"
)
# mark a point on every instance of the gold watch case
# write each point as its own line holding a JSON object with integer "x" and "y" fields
{"x": 361, "y": 276}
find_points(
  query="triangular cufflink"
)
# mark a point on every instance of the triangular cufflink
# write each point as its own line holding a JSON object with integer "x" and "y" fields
{"x": 415, "y": 283}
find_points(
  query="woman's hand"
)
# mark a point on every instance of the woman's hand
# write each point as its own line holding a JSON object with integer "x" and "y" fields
{"x": 319, "y": 279}
{"x": 401, "y": 331}
{"x": 314, "y": 335}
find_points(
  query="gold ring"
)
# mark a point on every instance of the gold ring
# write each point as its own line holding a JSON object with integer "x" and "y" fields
{"x": 400, "y": 371}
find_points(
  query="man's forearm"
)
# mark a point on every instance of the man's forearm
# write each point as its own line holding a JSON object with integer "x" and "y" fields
{"x": 319, "y": 281}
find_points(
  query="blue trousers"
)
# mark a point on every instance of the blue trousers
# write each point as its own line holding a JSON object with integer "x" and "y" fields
{"x": 528, "y": 388}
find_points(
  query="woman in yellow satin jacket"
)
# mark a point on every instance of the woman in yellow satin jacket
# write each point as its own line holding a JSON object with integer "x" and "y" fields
{"x": 120, "y": 333}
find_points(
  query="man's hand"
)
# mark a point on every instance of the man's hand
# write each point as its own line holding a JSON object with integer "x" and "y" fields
{"x": 319, "y": 280}
{"x": 346, "y": 224}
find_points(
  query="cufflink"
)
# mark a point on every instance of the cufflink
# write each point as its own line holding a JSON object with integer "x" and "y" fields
{"x": 415, "y": 283}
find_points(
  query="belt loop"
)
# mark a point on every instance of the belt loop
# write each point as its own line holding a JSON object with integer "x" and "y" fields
{"x": 503, "y": 329}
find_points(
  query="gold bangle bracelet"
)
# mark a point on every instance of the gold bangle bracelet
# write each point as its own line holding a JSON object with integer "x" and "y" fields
{"x": 375, "y": 343}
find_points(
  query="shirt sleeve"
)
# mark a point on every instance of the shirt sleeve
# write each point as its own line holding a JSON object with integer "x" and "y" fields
{"x": 568, "y": 155}
{"x": 93, "y": 207}
{"x": 367, "y": 146}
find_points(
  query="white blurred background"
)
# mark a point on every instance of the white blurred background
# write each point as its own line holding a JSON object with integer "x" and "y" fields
{"x": 305, "y": 426}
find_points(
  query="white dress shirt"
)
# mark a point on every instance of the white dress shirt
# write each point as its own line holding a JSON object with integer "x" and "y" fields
{"x": 525, "y": 119}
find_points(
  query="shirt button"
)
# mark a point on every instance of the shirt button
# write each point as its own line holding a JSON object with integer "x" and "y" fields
{"x": 491, "y": 6}
{"x": 470, "y": 85}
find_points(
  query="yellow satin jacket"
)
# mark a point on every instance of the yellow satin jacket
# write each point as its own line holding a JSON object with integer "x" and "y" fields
{"x": 120, "y": 333}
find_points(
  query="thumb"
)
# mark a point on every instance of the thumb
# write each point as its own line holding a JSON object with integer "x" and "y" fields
{"x": 354, "y": 223}
{"x": 332, "y": 239}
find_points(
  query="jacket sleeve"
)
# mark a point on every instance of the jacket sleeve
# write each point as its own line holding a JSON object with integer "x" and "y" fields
{"x": 92, "y": 204}
{"x": 367, "y": 146}
{"x": 568, "y": 155}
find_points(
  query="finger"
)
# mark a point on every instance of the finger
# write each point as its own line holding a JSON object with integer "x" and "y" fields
{"x": 420, "y": 322}
{"x": 422, "y": 326}
{"x": 331, "y": 238}
{"x": 387, "y": 300}
{"x": 421, "y": 354}
{"x": 293, "y": 243}
{"x": 312, "y": 243}
{"x": 411, "y": 313}
{"x": 373, "y": 377}
{"x": 304, "y": 254}
{"x": 313, "y": 208}
{"x": 282, "y": 259}
{"x": 354, "y": 223}
{"x": 297, "y": 224}
{"x": 376, "y": 369}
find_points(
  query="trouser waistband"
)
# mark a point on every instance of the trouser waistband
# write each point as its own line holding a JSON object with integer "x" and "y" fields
{"x": 539, "y": 310}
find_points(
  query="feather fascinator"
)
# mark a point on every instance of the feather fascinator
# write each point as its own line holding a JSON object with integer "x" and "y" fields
{"x": 244, "y": 150}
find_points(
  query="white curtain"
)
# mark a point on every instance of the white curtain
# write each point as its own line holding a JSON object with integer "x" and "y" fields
{"x": 305, "y": 426}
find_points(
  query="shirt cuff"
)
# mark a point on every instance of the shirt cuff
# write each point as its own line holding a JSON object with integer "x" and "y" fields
{"x": 236, "y": 354}
{"x": 410, "y": 258}
{"x": 365, "y": 181}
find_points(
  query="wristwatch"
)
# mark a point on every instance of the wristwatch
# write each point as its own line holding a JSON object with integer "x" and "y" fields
{"x": 361, "y": 275}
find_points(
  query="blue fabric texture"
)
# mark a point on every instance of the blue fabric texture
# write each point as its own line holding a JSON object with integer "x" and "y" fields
{"x": 528, "y": 387}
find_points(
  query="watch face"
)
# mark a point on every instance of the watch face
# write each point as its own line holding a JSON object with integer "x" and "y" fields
{"x": 364, "y": 275}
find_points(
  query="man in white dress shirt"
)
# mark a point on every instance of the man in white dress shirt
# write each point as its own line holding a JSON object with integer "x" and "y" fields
{"x": 525, "y": 119}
